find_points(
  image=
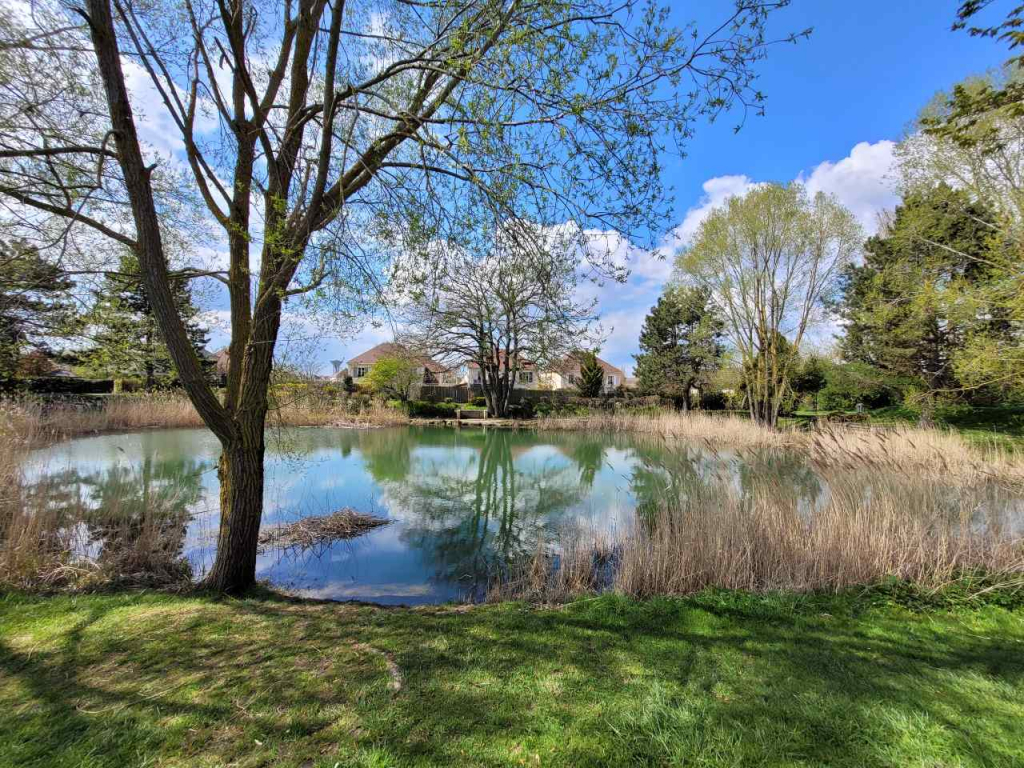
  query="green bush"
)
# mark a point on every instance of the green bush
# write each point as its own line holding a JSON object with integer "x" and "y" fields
{"x": 522, "y": 410}
{"x": 713, "y": 401}
{"x": 421, "y": 409}
{"x": 857, "y": 383}
{"x": 479, "y": 402}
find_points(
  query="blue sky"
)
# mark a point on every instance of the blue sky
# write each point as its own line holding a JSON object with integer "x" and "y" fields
{"x": 835, "y": 104}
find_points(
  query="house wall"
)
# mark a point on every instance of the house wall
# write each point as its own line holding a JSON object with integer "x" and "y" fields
{"x": 472, "y": 378}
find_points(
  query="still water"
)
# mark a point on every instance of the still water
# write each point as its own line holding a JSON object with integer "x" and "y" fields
{"x": 462, "y": 503}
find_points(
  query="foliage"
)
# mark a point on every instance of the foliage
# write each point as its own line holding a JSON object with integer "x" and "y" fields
{"x": 34, "y": 305}
{"x": 970, "y": 112}
{"x": 810, "y": 377}
{"x": 123, "y": 330}
{"x": 422, "y": 409}
{"x": 771, "y": 260}
{"x": 915, "y": 304}
{"x": 713, "y": 400}
{"x": 591, "y": 382}
{"x": 680, "y": 344}
{"x": 393, "y": 376}
{"x": 852, "y": 383}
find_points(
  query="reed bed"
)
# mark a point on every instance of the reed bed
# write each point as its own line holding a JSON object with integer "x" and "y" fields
{"x": 46, "y": 544}
{"x": 38, "y": 421}
{"x": 872, "y": 527}
{"x": 694, "y": 426}
{"x": 901, "y": 449}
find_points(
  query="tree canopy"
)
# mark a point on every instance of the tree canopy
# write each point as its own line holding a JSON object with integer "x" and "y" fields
{"x": 680, "y": 343}
{"x": 125, "y": 341}
{"x": 771, "y": 260}
{"x": 591, "y": 382}
{"x": 35, "y": 307}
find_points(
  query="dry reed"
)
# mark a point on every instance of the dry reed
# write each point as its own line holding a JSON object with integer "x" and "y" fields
{"x": 310, "y": 532}
{"x": 904, "y": 449}
{"x": 37, "y": 421}
{"x": 869, "y": 527}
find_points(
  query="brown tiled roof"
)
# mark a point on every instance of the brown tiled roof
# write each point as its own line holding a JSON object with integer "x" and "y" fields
{"x": 571, "y": 364}
{"x": 391, "y": 349}
{"x": 221, "y": 360}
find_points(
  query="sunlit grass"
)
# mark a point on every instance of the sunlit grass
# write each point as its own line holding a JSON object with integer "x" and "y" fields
{"x": 721, "y": 679}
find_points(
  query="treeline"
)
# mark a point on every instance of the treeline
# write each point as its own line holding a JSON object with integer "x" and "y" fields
{"x": 110, "y": 334}
{"x": 781, "y": 302}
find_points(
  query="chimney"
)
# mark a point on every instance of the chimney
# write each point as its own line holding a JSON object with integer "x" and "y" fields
{"x": 337, "y": 366}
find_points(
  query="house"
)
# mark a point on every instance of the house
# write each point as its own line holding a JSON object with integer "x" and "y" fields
{"x": 527, "y": 376}
{"x": 563, "y": 375}
{"x": 566, "y": 375}
{"x": 431, "y": 370}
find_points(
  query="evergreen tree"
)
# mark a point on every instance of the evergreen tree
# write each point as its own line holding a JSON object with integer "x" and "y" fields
{"x": 591, "y": 375}
{"x": 34, "y": 305}
{"x": 912, "y": 306}
{"x": 680, "y": 344}
{"x": 126, "y": 341}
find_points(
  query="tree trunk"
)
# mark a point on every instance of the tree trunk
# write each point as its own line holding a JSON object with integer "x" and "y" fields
{"x": 241, "y": 510}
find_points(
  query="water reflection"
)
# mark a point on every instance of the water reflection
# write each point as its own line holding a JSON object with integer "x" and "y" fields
{"x": 463, "y": 503}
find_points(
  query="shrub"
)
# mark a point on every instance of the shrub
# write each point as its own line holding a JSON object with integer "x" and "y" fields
{"x": 713, "y": 401}
{"x": 421, "y": 409}
{"x": 522, "y": 410}
{"x": 479, "y": 402}
{"x": 857, "y": 383}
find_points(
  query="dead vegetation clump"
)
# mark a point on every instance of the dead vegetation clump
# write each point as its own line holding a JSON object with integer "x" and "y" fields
{"x": 316, "y": 531}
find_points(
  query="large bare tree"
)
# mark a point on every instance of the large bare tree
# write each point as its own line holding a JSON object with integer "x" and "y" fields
{"x": 516, "y": 310}
{"x": 321, "y": 136}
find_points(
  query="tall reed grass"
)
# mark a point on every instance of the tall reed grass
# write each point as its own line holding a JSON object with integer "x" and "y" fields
{"x": 871, "y": 527}
{"x": 39, "y": 421}
{"x": 52, "y": 540}
{"x": 902, "y": 449}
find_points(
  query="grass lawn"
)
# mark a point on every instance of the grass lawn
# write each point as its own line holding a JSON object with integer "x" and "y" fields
{"x": 722, "y": 679}
{"x": 999, "y": 426}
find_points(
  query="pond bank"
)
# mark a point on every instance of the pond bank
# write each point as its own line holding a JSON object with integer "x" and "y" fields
{"x": 720, "y": 679}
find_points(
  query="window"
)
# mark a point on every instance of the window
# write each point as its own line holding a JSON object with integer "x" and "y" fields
{"x": 526, "y": 377}
{"x": 611, "y": 381}
{"x": 361, "y": 370}
{"x": 571, "y": 378}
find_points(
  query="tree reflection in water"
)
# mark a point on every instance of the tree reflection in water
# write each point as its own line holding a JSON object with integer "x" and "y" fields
{"x": 481, "y": 502}
{"x": 138, "y": 511}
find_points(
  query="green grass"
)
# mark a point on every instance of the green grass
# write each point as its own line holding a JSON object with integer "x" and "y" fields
{"x": 1003, "y": 425}
{"x": 992, "y": 426}
{"x": 722, "y": 679}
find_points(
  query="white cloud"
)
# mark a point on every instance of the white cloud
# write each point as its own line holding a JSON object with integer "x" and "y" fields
{"x": 860, "y": 181}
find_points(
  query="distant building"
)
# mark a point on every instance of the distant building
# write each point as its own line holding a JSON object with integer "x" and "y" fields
{"x": 566, "y": 375}
{"x": 527, "y": 375}
{"x": 431, "y": 370}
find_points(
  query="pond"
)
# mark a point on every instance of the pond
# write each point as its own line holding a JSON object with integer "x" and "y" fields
{"x": 462, "y": 503}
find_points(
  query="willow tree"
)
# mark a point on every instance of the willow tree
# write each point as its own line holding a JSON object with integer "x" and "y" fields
{"x": 771, "y": 260}
{"x": 322, "y": 136}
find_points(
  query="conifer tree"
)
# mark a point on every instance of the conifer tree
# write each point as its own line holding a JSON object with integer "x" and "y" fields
{"x": 126, "y": 342}
{"x": 591, "y": 375}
